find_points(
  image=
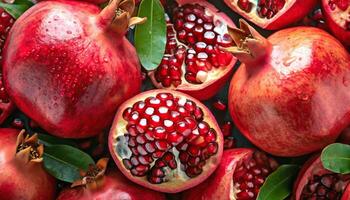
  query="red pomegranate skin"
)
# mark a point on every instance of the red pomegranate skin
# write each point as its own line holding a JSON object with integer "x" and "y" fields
{"x": 18, "y": 180}
{"x": 67, "y": 69}
{"x": 114, "y": 187}
{"x": 296, "y": 100}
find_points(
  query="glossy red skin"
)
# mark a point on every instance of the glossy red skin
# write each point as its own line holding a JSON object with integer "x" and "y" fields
{"x": 335, "y": 28}
{"x": 102, "y": 68}
{"x": 293, "y": 106}
{"x": 115, "y": 187}
{"x": 312, "y": 167}
{"x": 297, "y": 11}
{"x": 19, "y": 181}
{"x": 220, "y": 184}
{"x": 89, "y": 1}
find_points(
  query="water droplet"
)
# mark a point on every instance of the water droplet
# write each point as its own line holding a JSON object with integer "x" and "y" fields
{"x": 105, "y": 60}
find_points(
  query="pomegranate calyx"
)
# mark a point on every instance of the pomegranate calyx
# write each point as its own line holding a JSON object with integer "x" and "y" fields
{"x": 118, "y": 15}
{"x": 250, "y": 46}
{"x": 28, "y": 149}
{"x": 94, "y": 176}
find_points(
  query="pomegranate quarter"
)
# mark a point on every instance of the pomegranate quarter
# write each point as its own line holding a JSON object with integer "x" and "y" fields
{"x": 193, "y": 62}
{"x": 165, "y": 141}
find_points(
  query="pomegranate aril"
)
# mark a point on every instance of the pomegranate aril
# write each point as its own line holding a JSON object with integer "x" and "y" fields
{"x": 127, "y": 164}
{"x": 193, "y": 151}
{"x": 162, "y": 145}
{"x": 191, "y": 38}
{"x": 245, "y": 5}
{"x": 193, "y": 171}
{"x": 203, "y": 128}
{"x": 209, "y": 37}
{"x": 159, "y": 133}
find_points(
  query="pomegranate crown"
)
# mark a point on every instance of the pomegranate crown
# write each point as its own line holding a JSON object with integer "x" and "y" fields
{"x": 94, "y": 176}
{"x": 28, "y": 149}
{"x": 250, "y": 46}
{"x": 118, "y": 15}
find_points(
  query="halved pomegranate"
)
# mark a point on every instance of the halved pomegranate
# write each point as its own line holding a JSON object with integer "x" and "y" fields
{"x": 239, "y": 176}
{"x": 165, "y": 140}
{"x": 272, "y": 14}
{"x": 337, "y": 14}
{"x": 193, "y": 62}
{"x": 316, "y": 182}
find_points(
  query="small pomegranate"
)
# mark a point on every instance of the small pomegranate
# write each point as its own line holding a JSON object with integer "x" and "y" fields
{"x": 67, "y": 73}
{"x": 272, "y": 14}
{"x": 193, "y": 62}
{"x": 291, "y": 95}
{"x": 22, "y": 175}
{"x": 316, "y": 182}
{"x": 95, "y": 184}
{"x": 165, "y": 140}
{"x": 337, "y": 14}
{"x": 239, "y": 176}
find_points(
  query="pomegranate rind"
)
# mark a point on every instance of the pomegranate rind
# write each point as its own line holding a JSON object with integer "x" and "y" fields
{"x": 293, "y": 11}
{"x": 220, "y": 185}
{"x": 217, "y": 78}
{"x": 180, "y": 184}
{"x": 334, "y": 19}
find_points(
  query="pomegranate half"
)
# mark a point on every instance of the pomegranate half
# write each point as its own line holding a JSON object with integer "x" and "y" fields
{"x": 291, "y": 95}
{"x": 193, "y": 62}
{"x": 272, "y": 14}
{"x": 337, "y": 15}
{"x": 22, "y": 175}
{"x": 95, "y": 184}
{"x": 316, "y": 182}
{"x": 67, "y": 65}
{"x": 240, "y": 175}
{"x": 165, "y": 140}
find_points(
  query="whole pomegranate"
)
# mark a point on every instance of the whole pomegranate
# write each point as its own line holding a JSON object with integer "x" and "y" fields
{"x": 95, "y": 184}
{"x": 22, "y": 175}
{"x": 316, "y": 182}
{"x": 272, "y": 14}
{"x": 68, "y": 66}
{"x": 337, "y": 14}
{"x": 165, "y": 140}
{"x": 291, "y": 95}
{"x": 239, "y": 176}
{"x": 193, "y": 61}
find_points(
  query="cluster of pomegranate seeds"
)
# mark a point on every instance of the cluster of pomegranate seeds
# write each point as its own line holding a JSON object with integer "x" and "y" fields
{"x": 342, "y": 5}
{"x": 6, "y": 22}
{"x": 166, "y": 135}
{"x": 194, "y": 39}
{"x": 251, "y": 175}
{"x": 327, "y": 186}
{"x": 269, "y": 8}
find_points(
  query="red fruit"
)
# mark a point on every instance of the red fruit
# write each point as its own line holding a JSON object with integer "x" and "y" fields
{"x": 193, "y": 62}
{"x": 316, "y": 182}
{"x": 113, "y": 185}
{"x": 67, "y": 73}
{"x": 272, "y": 14}
{"x": 239, "y": 176}
{"x": 337, "y": 14}
{"x": 22, "y": 175}
{"x": 291, "y": 95}
{"x": 165, "y": 140}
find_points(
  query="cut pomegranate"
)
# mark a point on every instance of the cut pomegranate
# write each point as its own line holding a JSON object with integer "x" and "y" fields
{"x": 193, "y": 62}
{"x": 316, "y": 182}
{"x": 337, "y": 14}
{"x": 239, "y": 176}
{"x": 165, "y": 141}
{"x": 272, "y": 14}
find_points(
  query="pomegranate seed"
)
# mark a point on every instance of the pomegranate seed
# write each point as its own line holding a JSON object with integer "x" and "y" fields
{"x": 219, "y": 105}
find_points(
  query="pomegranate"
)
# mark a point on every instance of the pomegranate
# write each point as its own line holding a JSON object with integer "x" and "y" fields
{"x": 22, "y": 175}
{"x": 165, "y": 140}
{"x": 337, "y": 14}
{"x": 316, "y": 182}
{"x": 291, "y": 95}
{"x": 95, "y": 184}
{"x": 240, "y": 175}
{"x": 67, "y": 73}
{"x": 193, "y": 62}
{"x": 272, "y": 14}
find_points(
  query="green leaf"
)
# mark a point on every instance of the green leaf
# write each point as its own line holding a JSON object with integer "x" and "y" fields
{"x": 64, "y": 162}
{"x": 279, "y": 184}
{"x": 150, "y": 37}
{"x": 336, "y": 158}
{"x": 49, "y": 140}
{"x": 17, "y": 8}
